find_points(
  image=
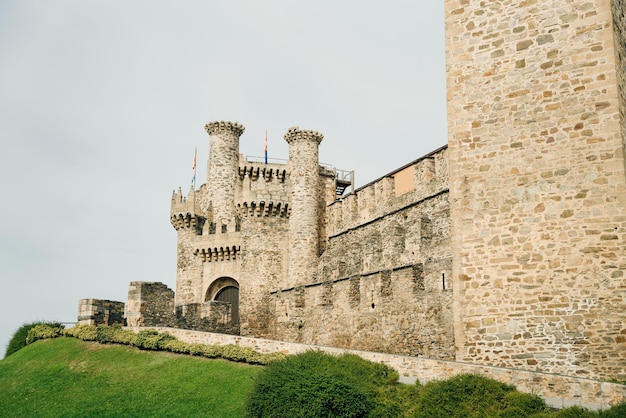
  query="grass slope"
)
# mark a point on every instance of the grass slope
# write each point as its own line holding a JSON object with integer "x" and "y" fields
{"x": 72, "y": 378}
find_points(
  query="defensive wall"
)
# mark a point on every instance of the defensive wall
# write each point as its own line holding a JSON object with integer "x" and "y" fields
{"x": 383, "y": 281}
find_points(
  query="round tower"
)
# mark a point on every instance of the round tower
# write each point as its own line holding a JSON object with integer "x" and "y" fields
{"x": 305, "y": 203}
{"x": 222, "y": 171}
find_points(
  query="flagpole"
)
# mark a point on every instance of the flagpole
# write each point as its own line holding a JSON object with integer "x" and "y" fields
{"x": 265, "y": 147}
{"x": 193, "y": 179}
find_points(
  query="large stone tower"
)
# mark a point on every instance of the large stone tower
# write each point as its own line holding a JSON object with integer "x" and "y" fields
{"x": 306, "y": 189}
{"x": 222, "y": 171}
{"x": 538, "y": 184}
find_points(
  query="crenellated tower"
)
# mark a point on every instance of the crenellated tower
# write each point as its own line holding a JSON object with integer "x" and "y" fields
{"x": 222, "y": 170}
{"x": 186, "y": 217}
{"x": 304, "y": 223}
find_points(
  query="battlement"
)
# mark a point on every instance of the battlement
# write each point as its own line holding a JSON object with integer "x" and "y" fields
{"x": 419, "y": 180}
{"x": 185, "y": 211}
{"x": 295, "y": 133}
{"x": 259, "y": 170}
{"x": 214, "y": 254}
{"x": 219, "y": 127}
{"x": 264, "y": 209}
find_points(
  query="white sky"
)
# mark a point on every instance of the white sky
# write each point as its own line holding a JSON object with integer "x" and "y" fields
{"x": 102, "y": 103}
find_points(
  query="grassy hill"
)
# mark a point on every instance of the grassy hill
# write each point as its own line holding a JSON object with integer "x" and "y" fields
{"x": 69, "y": 377}
{"x": 72, "y": 378}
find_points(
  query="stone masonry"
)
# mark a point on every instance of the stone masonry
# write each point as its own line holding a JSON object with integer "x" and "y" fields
{"x": 537, "y": 184}
{"x": 506, "y": 248}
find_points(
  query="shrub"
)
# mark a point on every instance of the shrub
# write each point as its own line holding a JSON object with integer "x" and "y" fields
{"x": 615, "y": 412}
{"x": 43, "y": 331}
{"x": 124, "y": 336}
{"x": 18, "y": 340}
{"x": 196, "y": 349}
{"x": 82, "y": 332}
{"x": 268, "y": 358}
{"x": 469, "y": 395}
{"x": 115, "y": 334}
{"x": 176, "y": 346}
{"x": 315, "y": 384}
{"x": 151, "y": 339}
{"x": 577, "y": 412}
{"x": 105, "y": 334}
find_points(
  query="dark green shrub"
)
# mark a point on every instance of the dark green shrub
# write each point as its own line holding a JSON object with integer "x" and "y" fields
{"x": 617, "y": 411}
{"x": 105, "y": 334}
{"x": 518, "y": 404}
{"x": 470, "y": 395}
{"x": 44, "y": 331}
{"x": 18, "y": 340}
{"x": 315, "y": 384}
{"x": 574, "y": 412}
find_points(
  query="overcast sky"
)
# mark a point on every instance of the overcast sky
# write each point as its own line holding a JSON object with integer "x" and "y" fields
{"x": 103, "y": 102}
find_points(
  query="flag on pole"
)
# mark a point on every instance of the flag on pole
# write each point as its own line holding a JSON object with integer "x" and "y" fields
{"x": 193, "y": 167}
{"x": 265, "y": 146}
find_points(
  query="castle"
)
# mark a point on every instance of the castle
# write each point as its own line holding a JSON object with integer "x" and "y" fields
{"x": 505, "y": 248}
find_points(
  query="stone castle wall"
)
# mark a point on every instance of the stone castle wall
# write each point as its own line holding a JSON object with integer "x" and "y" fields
{"x": 538, "y": 191}
{"x": 384, "y": 280}
{"x": 619, "y": 23}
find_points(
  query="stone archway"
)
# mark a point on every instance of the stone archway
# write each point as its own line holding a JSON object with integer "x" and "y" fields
{"x": 225, "y": 289}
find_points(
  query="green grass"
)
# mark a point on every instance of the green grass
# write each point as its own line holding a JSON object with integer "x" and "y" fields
{"x": 69, "y": 377}
{"x": 72, "y": 378}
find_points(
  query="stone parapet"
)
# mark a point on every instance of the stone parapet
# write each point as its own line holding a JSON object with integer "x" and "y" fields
{"x": 224, "y": 127}
{"x": 416, "y": 181}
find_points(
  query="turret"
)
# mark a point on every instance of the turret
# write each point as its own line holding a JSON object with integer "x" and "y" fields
{"x": 222, "y": 170}
{"x": 186, "y": 218}
{"x": 305, "y": 200}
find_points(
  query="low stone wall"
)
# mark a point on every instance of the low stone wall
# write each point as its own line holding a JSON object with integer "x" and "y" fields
{"x": 100, "y": 311}
{"x": 559, "y": 391}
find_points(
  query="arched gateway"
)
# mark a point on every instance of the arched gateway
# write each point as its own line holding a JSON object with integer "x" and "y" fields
{"x": 225, "y": 289}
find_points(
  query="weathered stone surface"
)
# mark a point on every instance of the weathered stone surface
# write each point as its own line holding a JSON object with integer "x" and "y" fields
{"x": 100, "y": 312}
{"x": 539, "y": 236}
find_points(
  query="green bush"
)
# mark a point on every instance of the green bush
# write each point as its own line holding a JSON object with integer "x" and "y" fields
{"x": 176, "y": 346}
{"x": 43, "y": 331}
{"x": 115, "y": 335}
{"x": 575, "y": 412}
{"x": 267, "y": 358}
{"x": 617, "y": 411}
{"x": 151, "y": 339}
{"x": 470, "y": 395}
{"x": 18, "y": 340}
{"x": 83, "y": 332}
{"x": 315, "y": 384}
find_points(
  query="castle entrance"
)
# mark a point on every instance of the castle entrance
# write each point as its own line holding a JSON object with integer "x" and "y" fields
{"x": 225, "y": 289}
